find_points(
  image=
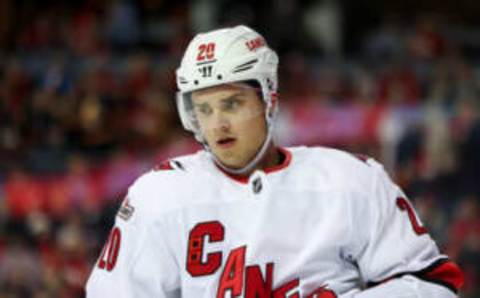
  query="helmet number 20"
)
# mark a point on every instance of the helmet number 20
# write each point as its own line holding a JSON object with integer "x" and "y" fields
{"x": 206, "y": 51}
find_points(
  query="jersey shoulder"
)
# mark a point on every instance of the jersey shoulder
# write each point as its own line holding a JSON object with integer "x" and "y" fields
{"x": 162, "y": 189}
{"x": 337, "y": 169}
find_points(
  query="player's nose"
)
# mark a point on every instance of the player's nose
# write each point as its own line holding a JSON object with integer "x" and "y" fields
{"x": 221, "y": 122}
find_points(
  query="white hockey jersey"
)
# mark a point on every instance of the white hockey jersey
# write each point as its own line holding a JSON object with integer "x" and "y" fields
{"x": 322, "y": 224}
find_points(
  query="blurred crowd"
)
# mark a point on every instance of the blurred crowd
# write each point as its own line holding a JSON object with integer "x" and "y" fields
{"x": 87, "y": 104}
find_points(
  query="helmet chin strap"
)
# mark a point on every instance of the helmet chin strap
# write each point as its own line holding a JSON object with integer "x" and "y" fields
{"x": 253, "y": 163}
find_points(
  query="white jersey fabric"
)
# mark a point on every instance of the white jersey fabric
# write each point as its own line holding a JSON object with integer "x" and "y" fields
{"x": 323, "y": 221}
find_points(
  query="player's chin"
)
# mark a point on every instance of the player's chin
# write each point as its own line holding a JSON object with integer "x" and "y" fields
{"x": 229, "y": 160}
{"x": 226, "y": 161}
{"x": 223, "y": 152}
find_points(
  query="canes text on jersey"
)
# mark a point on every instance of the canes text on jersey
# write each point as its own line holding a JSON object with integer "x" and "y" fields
{"x": 236, "y": 277}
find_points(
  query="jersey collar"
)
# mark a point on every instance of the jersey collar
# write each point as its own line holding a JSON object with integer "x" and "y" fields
{"x": 244, "y": 179}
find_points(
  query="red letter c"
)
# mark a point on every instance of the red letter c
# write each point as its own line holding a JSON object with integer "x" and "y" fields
{"x": 215, "y": 232}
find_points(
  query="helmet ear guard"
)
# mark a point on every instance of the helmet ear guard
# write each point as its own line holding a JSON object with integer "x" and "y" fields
{"x": 272, "y": 107}
{"x": 185, "y": 111}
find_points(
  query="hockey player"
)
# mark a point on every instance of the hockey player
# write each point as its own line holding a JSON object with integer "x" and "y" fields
{"x": 245, "y": 218}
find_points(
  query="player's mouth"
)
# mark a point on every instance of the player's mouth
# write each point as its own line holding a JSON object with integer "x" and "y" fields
{"x": 226, "y": 143}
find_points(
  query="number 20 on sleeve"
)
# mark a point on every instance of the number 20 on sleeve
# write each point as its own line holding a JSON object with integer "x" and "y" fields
{"x": 109, "y": 255}
{"x": 404, "y": 205}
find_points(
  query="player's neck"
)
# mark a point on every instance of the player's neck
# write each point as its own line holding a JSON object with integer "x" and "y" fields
{"x": 273, "y": 157}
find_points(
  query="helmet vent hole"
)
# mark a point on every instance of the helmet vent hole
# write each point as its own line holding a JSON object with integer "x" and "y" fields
{"x": 219, "y": 77}
{"x": 195, "y": 82}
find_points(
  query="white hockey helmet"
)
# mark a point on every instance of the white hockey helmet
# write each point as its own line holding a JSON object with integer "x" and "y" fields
{"x": 225, "y": 56}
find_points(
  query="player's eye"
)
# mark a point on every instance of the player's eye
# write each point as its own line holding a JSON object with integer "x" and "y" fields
{"x": 231, "y": 104}
{"x": 203, "y": 110}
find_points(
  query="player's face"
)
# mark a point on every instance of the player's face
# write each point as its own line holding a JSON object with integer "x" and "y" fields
{"x": 231, "y": 118}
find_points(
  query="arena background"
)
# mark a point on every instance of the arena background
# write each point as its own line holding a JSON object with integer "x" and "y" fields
{"x": 87, "y": 105}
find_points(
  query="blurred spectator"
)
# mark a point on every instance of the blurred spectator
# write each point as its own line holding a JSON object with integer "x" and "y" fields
{"x": 464, "y": 242}
{"x": 122, "y": 24}
{"x": 467, "y": 135}
{"x": 20, "y": 270}
{"x": 387, "y": 42}
{"x": 426, "y": 41}
{"x": 23, "y": 195}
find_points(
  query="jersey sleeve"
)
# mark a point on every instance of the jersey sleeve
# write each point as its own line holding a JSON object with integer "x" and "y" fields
{"x": 136, "y": 260}
{"x": 392, "y": 242}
